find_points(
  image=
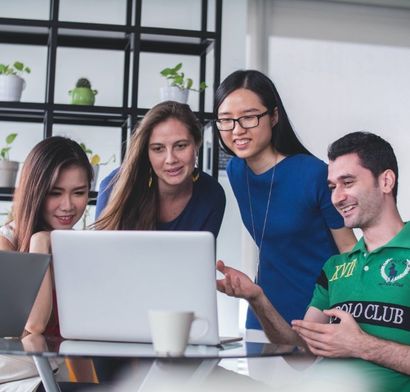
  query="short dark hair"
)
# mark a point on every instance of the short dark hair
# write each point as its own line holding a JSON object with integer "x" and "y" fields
{"x": 375, "y": 153}
{"x": 284, "y": 138}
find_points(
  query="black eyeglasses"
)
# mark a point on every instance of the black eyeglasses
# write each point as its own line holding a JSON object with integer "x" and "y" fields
{"x": 246, "y": 122}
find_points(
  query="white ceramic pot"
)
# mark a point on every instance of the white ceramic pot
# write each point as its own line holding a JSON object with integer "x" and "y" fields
{"x": 8, "y": 173}
{"x": 11, "y": 87}
{"x": 173, "y": 93}
{"x": 96, "y": 169}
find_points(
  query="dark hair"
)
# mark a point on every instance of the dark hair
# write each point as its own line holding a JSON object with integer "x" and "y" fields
{"x": 375, "y": 153}
{"x": 38, "y": 176}
{"x": 133, "y": 204}
{"x": 284, "y": 139}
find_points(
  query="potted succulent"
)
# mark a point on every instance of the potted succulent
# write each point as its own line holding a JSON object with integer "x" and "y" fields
{"x": 95, "y": 161}
{"x": 11, "y": 82}
{"x": 178, "y": 85}
{"x": 8, "y": 169}
{"x": 82, "y": 94}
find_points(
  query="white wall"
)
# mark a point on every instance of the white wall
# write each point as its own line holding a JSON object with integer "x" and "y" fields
{"x": 229, "y": 244}
{"x": 341, "y": 68}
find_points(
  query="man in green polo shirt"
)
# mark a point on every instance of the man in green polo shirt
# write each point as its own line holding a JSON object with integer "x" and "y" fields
{"x": 361, "y": 304}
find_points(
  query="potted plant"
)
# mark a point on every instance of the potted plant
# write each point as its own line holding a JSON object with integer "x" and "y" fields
{"x": 82, "y": 93}
{"x": 8, "y": 169}
{"x": 11, "y": 82}
{"x": 95, "y": 161}
{"x": 178, "y": 85}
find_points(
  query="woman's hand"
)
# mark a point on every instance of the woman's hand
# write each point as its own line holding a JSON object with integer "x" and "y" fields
{"x": 40, "y": 242}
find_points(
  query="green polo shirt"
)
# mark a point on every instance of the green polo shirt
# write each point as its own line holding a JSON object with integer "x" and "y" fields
{"x": 375, "y": 288}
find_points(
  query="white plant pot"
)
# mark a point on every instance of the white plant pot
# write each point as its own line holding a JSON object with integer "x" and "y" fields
{"x": 11, "y": 87}
{"x": 8, "y": 173}
{"x": 96, "y": 169}
{"x": 173, "y": 93}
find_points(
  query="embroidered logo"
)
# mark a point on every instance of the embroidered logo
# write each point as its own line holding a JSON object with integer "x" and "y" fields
{"x": 344, "y": 270}
{"x": 392, "y": 271}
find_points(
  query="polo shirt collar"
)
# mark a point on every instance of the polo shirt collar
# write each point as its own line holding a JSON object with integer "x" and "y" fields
{"x": 400, "y": 240}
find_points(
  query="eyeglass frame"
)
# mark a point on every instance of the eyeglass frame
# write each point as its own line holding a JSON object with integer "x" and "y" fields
{"x": 258, "y": 116}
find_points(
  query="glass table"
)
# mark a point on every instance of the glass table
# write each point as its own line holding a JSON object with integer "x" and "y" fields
{"x": 198, "y": 361}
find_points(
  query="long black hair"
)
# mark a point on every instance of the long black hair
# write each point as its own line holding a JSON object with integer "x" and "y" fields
{"x": 40, "y": 171}
{"x": 284, "y": 139}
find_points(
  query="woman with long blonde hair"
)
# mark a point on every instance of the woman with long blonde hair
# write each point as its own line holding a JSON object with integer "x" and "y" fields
{"x": 158, "y": 186}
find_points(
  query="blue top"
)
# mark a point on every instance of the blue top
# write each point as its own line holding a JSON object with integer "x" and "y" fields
{"x": 297, "y": 239}
{"x": 204, "y": 211}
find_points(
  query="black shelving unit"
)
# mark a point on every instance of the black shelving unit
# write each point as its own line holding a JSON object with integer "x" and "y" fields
{"x": 132, "y": 39}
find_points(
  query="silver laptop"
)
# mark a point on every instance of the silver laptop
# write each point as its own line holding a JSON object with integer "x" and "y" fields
{"x": 107, "y": 281}
{"x": 21, "y": 275}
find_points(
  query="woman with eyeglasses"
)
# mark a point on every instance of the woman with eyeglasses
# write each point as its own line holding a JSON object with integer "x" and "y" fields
{"x": 282, "y": 192}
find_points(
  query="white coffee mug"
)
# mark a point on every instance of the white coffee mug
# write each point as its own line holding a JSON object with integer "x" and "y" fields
{"x": 170, "y": 330}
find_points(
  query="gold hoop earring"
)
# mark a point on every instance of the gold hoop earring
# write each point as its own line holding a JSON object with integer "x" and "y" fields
{"x": 150, "y": 179}
{"x": 195, "y": 175}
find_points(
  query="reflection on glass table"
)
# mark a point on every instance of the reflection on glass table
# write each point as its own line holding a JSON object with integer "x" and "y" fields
{"x": 192, "y": 368}
{"x": 52, "y": 347}
{"x": 201, "y": 368}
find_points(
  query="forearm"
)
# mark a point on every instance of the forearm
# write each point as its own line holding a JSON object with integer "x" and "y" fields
{"x": 41, "y": 310}
{"x": 386, "y": 353}
{"x": 275, "y": 327}
{"x": 237, "y": 284}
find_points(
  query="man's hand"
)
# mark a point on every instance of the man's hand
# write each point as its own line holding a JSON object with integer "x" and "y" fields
{"x": 236, "y": 283}
{"x": 332, "y": 340}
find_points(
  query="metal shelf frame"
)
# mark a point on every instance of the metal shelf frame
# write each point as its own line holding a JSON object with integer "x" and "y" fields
{"x": 131, "y": 38}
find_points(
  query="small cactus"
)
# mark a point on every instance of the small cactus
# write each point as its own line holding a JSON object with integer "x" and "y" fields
{"x": 83, "y": 82}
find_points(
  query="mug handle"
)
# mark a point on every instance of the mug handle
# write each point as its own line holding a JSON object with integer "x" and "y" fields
{"x": 205, "y": 329}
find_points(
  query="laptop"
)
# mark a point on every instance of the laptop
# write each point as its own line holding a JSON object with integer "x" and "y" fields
{"x": 21, "y": 275}
{"x": 107, "y": 281}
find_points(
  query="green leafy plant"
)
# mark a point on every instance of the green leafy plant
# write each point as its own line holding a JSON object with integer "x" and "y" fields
{"x": 95, "y": 159}
{"x": 4, "y": 152}
{"x": 17, "y": 68}
{"x": 177, "y": 78}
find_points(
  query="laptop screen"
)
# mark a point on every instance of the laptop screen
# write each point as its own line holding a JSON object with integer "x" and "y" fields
{"x": 107, "y": 281}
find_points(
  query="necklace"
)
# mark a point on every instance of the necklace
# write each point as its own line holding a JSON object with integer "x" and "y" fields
{"x": 265, "y": 218}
